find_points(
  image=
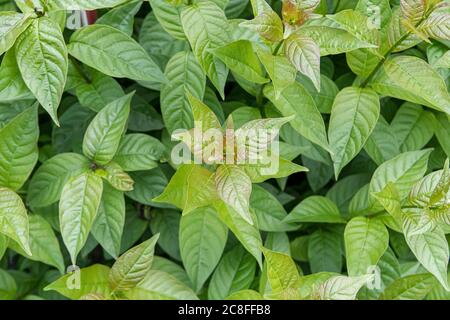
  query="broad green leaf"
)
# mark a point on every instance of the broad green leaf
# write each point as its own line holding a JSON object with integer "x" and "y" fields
{"x": 12, "y": 86}
{"x": 133, "y": 266}
{"x": 403, "y": 171}
{"x": 8, "y": 286}
{"x": 332, "y": 39}
{"x": 442, "y": 131}
{"x": 109, "y": 223}
{"x": 102, "y": 138}
{"x": 44, "y": 245}
{"x": 99, "y": 91}
{"x": 308, "y": 120}
{"x": 234, "y": 187}
{"x": 184, "y": 75}
{"x": 18, "y": 149}
{"x": 48, "y": 181}
{"x": 279, "y": 69}
{"x": 147, "y": 185}
{"x": 159, "y": 44}
{"x": 172, "y": 268}
{"x": 4, "y": 241}
{"x": 234, "y": 273}
{"x": 205, "y": 26}
{"x": 14, "y": 219}
{"x": 324, "y": 250}
{"x": 413, "y": 127}
{"x": 267, "y": 24}
{"x": 166, "y": 222}
{"x": 382, "y": 144}
{"x": 116, "y": 176}
{"x": 91, "y": 280}
{"x": 159, "y": 285}
{"x": 245, "y": 295}
{"x": 341, "y": 287}
{"x": 413, "y": 287}
{"x": 139, "y": 152}
{"x": 282, "y": 274}
{"x": 13, "y": 24}
{"x": 366, "y": 240}
{"x": 240, "y": 58}
{"x": 80, "y": 200}
{"x": 354, "y": 116}
{"x": 431, "y": 249}
{"x": 413, "y": 10}
{"x": 203, "y": 114}
{"x": 304, "y": 54}
{"x": 191, "y": 187}
{"x": 42, "y": 59}
{"x": 269, "y": 211}
{"x": 169, "y": 17}
{"x": 247, "y": 234}
{"x": 437, "y": 25}
{"x": 315, "y": 209}
{"x": 113, "y": 53}
{"x": 202, "y": 240}
{"x": 122, "y": 17}
{"x": 84, "y": 4}
{"x": 412, "y": 79}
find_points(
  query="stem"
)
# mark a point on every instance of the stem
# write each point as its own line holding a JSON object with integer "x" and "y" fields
{"x": 383, "y": 59}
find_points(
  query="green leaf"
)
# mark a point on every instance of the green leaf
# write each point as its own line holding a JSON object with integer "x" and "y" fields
{"x": 80, "y": 200}
{"x": 109, "y": 223}
{"x": 113, "y": 53}
{"x": 308, "y": 121}
{"x": 341, "y": 287}
{"x": 437, "y": 25}
{"x": 191, "y": 187}
{"x": 366, "y": 240}
{"x": 234, "y": 187}
{"x": 413, "y": 10}
{"x": 122, "y": 17}
{"x": 8, "y": 286}
{"x": 44, "y": 245}
{"x": 315, "y": 209}
{"x": 382, "y": 144}
{"x": 202, "y": 240}
{"x": 431, "y": 249}
{"x": 117, "y": 178}
{"x": 267, "y": 24}
{"x": 91, "y": 280}
{"x": 166, "y": 222}
{"x": 247, "y": 234}
{"x": 205, "y": 26}
{"x": 184, "y": 75}
{"x": 99, "y": 91}
{"x": 354, "y": 116}
{"x": 282, "y": 274}
{"x": 42, "y": 59}
{"x": 403, "y": 172}
{"x": 234, "y": 273}
{"x": 13, "y": 24}
{"x": 413, "y": 127}
{"x": 413, "y": 287}
{"x": 48, "y": 181}
{"x": 159, "y": 285}
{"x": 133, "y": 266}
{"x": 169, "y": 17}
{"x": 12, "y": 86}
{"x": 412, "y": 79}
{"x": 84, "y": 4}
{"x": 139, "y": 152}
{"x": 102, "y": 138}
{"x": 14, "y": 219}
{"x": 18, "y": 149}
{"x": 442, "y": 131}
{"x": 203, "y": 114}
{"x": 325, "y": 250}
{"x": 304, "y": 54}
{"x": 240, "y": 57}
{"x": 279, "y": 69}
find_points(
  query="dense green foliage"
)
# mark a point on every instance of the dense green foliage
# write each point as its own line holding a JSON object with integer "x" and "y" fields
{"x": 356, "y": 92}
